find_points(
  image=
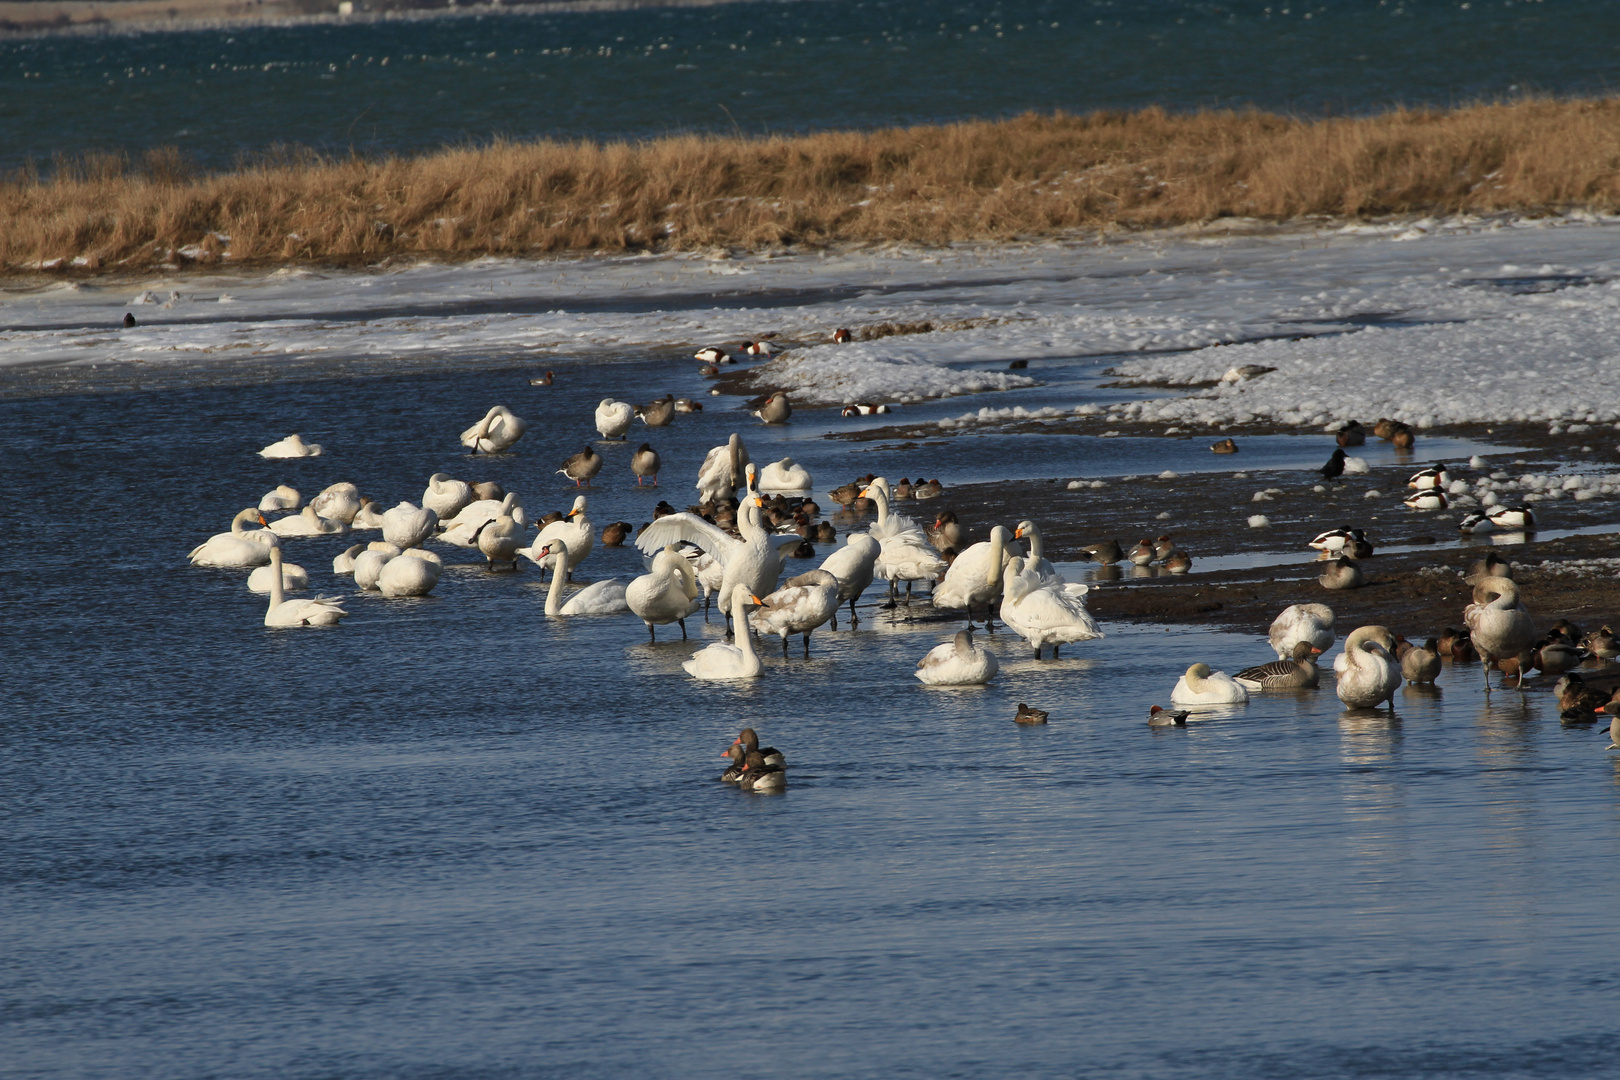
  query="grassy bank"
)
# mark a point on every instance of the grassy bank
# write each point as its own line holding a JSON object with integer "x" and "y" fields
{"x": 1029, "y": 176}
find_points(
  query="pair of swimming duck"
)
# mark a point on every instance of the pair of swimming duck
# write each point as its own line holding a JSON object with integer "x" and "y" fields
{"x": 754, "y": 767}
{"x": 1162, "y": 551}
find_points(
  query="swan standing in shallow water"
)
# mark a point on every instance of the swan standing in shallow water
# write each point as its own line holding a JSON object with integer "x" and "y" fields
{"x": 613, "y": 418}
{"x": 722, "y": 470}
{"x": 1044, "y": 611}
{"x": 1201, "y": 686}
{"x": 666, "y": 593}
{"x": 750, "y": 565}
{"x": 1368, "y": 673}
{"x": 958, "y": 662}
{"x": 1498, "y": 624}
{"x": 805, "y": 603}
{"x": 854, "y": 565}
{"x": 495, "y": 433}
{"x": 238, "y": 549}
{"x": 905, "y": 555}
{"x": 1302, "y": 622}
{"x": 597, "y": 598}
{"x": 446, "y": 496}
{"x": 321, "y": 611}
{"x": 975, "y": 577}
{"x": 578, "y": 536}
{"x": 293, "y": 446}
{"x": 723, "y": 661}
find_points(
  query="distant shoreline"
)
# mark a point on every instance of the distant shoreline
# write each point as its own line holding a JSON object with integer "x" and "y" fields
{"x": 1028, "y": 177}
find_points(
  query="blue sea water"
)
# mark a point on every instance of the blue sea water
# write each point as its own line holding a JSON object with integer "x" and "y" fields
{"x": 406, "y": 86}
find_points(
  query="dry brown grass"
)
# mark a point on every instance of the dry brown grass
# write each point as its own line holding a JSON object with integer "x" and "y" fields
{"x": 1030, "y": 176}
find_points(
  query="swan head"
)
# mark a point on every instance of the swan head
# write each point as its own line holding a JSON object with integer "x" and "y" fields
{"x": 1370, "y": 639}
{"x": 579, "y": 506}
{"x": 1025, "y": 528}
{"x": 1197, "y": 673}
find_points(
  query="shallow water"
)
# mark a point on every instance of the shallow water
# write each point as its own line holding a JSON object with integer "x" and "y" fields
{"x": 454, "y": 838}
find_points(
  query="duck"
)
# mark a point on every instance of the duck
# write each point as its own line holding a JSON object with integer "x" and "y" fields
{"x": 1429, "y": 499}
{"x": 1421, "y": 664}
{"x": 906, "y": 555}
{"x": 446, "y": 496}
{"x": 722, "y": 470}
{"x": 712, "y": 354}
{"x": 1162, "y": 547}
{"x": 1201, "y": 686}
{"x": 488, "y": 491}
{"x": 240, "y": 548}
{"x": 1178, "y": 562}
{"x": 721, "y": 661}
{"x": 1351, "y": 434}
{"x": 776, "y": 410}
{"x": 1311, "y": 623}
{"x": 757, "y": 348}
{"x": 1601, "y": 644}
{"x": 321, "y": 611}
{"x": 945, "y": 532}
{"x": 461, "y": 529}
{"x": 613, "y": 418}
{"x": 495, "y": 433}
{"x": 1334, "y": 541}
{"x": 975, "y": 576}
{"x": 1027, "y": 715}
{"x": 306, "y": 523}
{"x": 1158, "y": 716}
{"x": 799, "y": 607}
{"x": 659, "y": 413}
{"x": 1335, "y": 465}
{"x": 687, "y": 405}
{"x": 293, "y": 446}
{"x": 958, "y": 662}
{"x": 338, "y": 502}
{"x": 645, "y": 462}
{"x": 408, "y": 525}
{"x": 414, "y": 572}
{"x": 1341, "y": 573}
{"x": 824, "y": 532}
{"x": 1498, "y": 625}
{"x": 1044, "y": 610}
{"x": 846, "y": 494}
{"x": 1476, "y": 522}
{"x": 854, "y": 565}
{"x": 759, "y": 776}
{"x": 863, "y": 409}
{"x": 902, "y": 490}
{"x": 541, "y": 380}
{"x": 1554, "y": 656}
{"x": 1298, "y": 672}
{"x": 1368, "y": 673}
{"x": 1457, "y": 646}
{"x": 1106, "y": 552}
{"x": 1433, "y": 477}
{"x": 666, "y": 593}
{"x": 581, "y": 467}
{"x": 1384, "y": 428}
{"x": 577, "y": 535}
{"x": 1142, "y": 553}
{"x": 1403, "y": 437}
{"x": 841, "y": 335}
{"x": 282, "y": 498}
{"x": 1578, "y": 702}
{"x": 784, "y": 475}
{"x": 1225, "y": 446}
{"x": 1512, "y": 517}
{"x": 615, "y": 533}
{"x": 927, "y": 489}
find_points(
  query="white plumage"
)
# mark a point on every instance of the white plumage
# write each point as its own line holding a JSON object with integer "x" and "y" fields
{"x": 1201, "y": 686}
{"x": 613, "y": 418}
{"x": 958, "y": 662}
{"x": 1045, "y": 611}
{"x": 495, "y": 433}
{"x": 1302, "y": 622}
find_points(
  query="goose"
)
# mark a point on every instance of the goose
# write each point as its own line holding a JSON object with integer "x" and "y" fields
{"x": 1512, "y": 517}
{"x": 344, "y": 563}
{"x": 613, "y": 418}
{"x": 408, "y": 525}
{"x": 1352, "y": 434}
{"x": 1158, "y": 716}
{"x": 446, "y": 497}
{"x": 294, "y": 578}
{"x": 499, "y": 539}
{"x": 462, "y": 529}
{"x": 1421, "y": 664}
{"x": 1027, "y": 715}
{"x": 307, "y": 523}
{"x": 1201, "y": 686}
{"x": 368, "y": 517}
{"x": 1341, "y": 573}
{"x": 282, "y": 498}
{"x": 368, "y": 565}
{"x": 581, "y": 467}
{"x": 414, "y": 572}
{"x": 495, "y": 433}
{"x": 750, "y": 565}
{"x": 803, "y": 604}
{"x": 321, "y": 611}
{"x": 1614, "y": 733}
{"x": 293, "y": 446}
{"x": 905, "y": 554}
{"x": 776, "y": 410}
{"x": 854, "y": 565}
{"x": 338, "y": 502}
{"x": 784, "y": 475}
{"x": 1042, "y": 609}
{"x": 1108, "y": 552}
{"x": 1299, "y": 672}
{"x": 737, "y": 755}
{"x": 658, "y": 414}
{"x": 975, "y": 577}
{"x": 241, "y": 548}
{"x": 722, "y": 470}
{"x": 1498, "y": 624}
{"x": 958, "y": 662}
{"x": 712, "y": 354}
{"x": 945, "y": 532}
{"x": 1312, "y": 623}
{"x": 1433, "y": 477}
{"x": 758, "y": 776}
{"x": 748, "y": 739}
{"x": 1368, "y": 673}
{"x": 577, "y": 534}
{"x": 645, "y": 462}
{"x": 666, "y": 593}
{"x": 729, "y": 661}
{"x": 1428, "y": 499}
{"x": 605, "y": 597}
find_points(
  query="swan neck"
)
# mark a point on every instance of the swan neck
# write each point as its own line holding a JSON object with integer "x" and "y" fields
{"x": 881, "y": 497}
{"x": 739, "y": 618}
{"x": 277, "y": 590}
{"x": 241, "y": 519}
{"x": 558, "y": 572}
{"x": 998, "y": 548}
{"x": 1037, "y": 549}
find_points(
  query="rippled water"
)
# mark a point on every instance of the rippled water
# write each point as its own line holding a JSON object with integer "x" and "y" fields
{"x": 454, "y": 838}
{"x": 407, "y": 86}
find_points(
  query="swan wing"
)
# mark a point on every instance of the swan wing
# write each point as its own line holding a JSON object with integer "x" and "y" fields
{"x": 598, "y": 598}
{"x": 673, "y": 528}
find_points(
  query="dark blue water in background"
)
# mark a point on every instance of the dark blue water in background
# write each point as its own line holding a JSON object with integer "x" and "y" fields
{"x": 407, "y": 86}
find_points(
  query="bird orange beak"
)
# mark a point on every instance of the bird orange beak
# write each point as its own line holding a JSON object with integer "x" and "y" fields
{"x": 1018, "y": 534}
{"x": 263, "y": 522}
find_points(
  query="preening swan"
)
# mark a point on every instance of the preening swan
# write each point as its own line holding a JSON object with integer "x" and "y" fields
{"x": 282, "y": 498}
{"x": 369, "y": 517}
{"x": 958, "y": 662}
{"x": 446, "y": 497}
{"x": 854, "y": 565}
{"x": 1044, "y": 611}
{"x": 321, "y": 611}
{"x": 613, "y": 418}
{"x": 666, "y": 593}
{"x": 293, "y": 446}
{"x": 240, "y": 548}
{"x": 339, "y": 502}
{"x": 1368, "y": 673}
{"x": 412, "y": 573}
{"x": 723, "y": 661}
{"x": 803, "y": 604}
{"x": 368, "y": 565}
{"x": 408, "y": 525}
{"x": 461, "y": 530}
{"x": 1201, "y": 686}
{"x": 344, "y": 563}
{"x": 1498, "y": 624}
{"x": 577, "y": 534}
{"x": 500, "y": 539}
{"x": 307, "y": 523}
{"x": 905, "y": 553}
{"x": 722, "y": 470}
{"x": 1302, "y": 622}
{"x": 496, "y": 432}
{"x": 293, "y": 578}
{"x": 975, "y": 577}
{"x": 784, "y": 475}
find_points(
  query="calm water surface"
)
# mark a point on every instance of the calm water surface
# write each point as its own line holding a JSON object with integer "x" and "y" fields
{"x": 453, "y": 838}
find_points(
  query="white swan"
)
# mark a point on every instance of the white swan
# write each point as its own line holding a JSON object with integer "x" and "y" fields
{"x": 369, "y": 517}
{"x": 1367, "y": 671}
{"x": 240, "y": 548}
{"x": 408, "y": 525}
{"x": 321, "y": 611}
{"x": 282, "y": 498}
{"x": 578, "y": 536}
{"x": 446, "y": 497}
{"x": 1302, "y": 622}
{"x": 293, "y": 446}
{"x": 1044, "y": 611}
{"x": 723, "y": 661}
{"x": 344, "y": 563}
{"x": 803, "y": 604}
{"x": 462, "y": 529}
{"x": 307, "y": 523}
{"x": 613, "y": 418}
{"x": 495, "y": 433}
{"x": 975, "y": 577}
{"x": 854, "y": 565}
{"x": 597, "y": 598}
{"x": 784, "y": 475}
{"x": 500, "y": 539}
{"x": 1031, "y": 536}
{"x": 1498, "y": 624}
{"x": 294, "y": 578}
{"x": 339, "y": 502}
{"x": 414, "y": 572}
{"x": 722, "y": 470}
{"x": 368, "y": 565}
{"x": 750, "y": 565}
{"x": 1201, "y": 686}
{"x": 666, "y": 593}
{"x": 958, "y": 662}
{"x": 906, "y": 554}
